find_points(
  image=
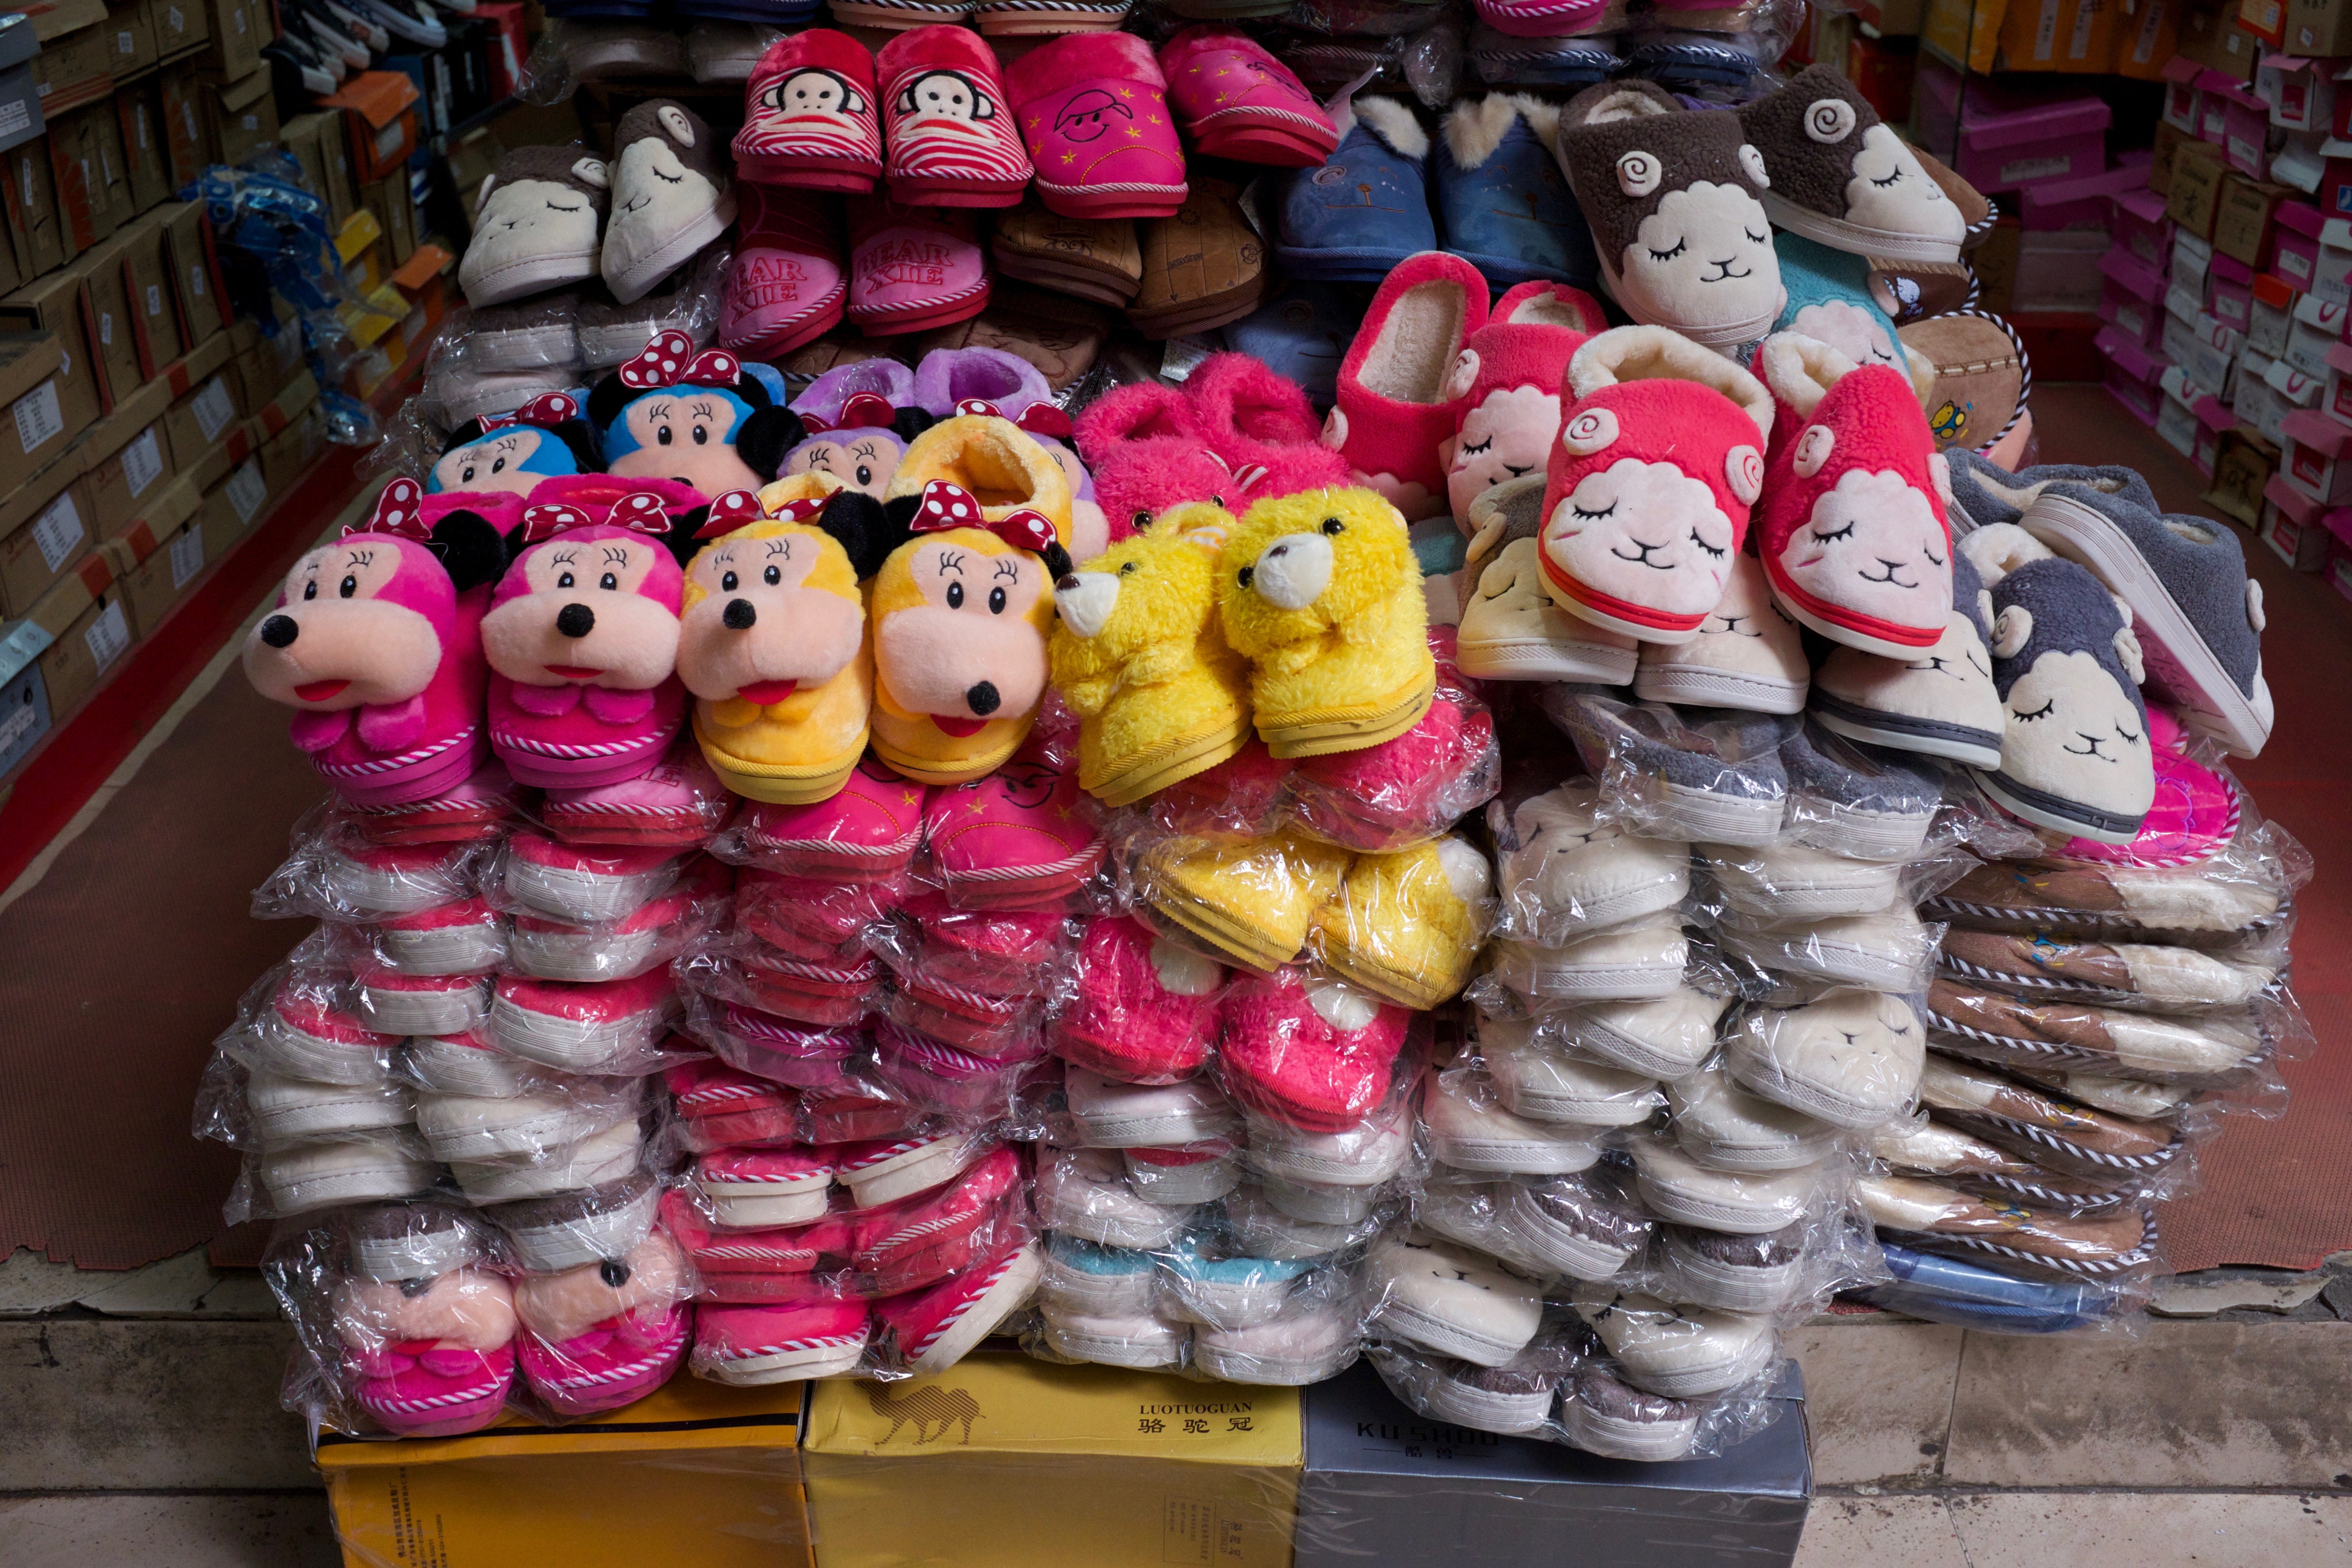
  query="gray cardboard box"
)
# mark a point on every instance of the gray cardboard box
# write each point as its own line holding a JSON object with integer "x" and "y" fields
{"x": 1385, "y": 1487}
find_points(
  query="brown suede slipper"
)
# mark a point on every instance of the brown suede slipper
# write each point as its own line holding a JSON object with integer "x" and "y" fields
{"x": 1093, "y": 258}
{"x": 1061, "y": 336}
{"x": 1981, "y": 375}
{"x": 1202, "y": 268}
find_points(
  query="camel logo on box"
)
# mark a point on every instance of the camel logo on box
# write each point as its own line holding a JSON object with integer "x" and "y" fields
{"x": 932, "y": 1410}
{"x": 920, "y": 262}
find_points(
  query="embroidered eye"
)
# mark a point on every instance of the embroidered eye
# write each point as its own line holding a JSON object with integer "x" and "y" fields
{"x": 1127, "y": 570}
{"x": 955, "y": 595}
{"x": 702, "y": 435}
{"x": 727, "y": 584}
{"x": 310, "y": 590}
{"x": 608, "y": 581}
{"x": 772, "y": 576}
{"x": 1845, "y": 532}
{"x": 564, "y": 580}
{"x": 1608, "y": 510}
{"x": 1754, "y": 238}
{"x": 2041, "y": 713}
{"x": 664, "y": 435}
{"x": 996, "y": 601}
{"x": 1710, "y": 549}
{"x": 350, "y": 585}
{"x": 500, "y": 466}
{"x": 2130, "y": 739}
{"x": 673, "y": 179}
{"x": 865, "y": 475}
{"x": 1333, "y": 527}
{"x": 1481, "y": 449}
{"x": 1662, "y": 256}
{"x": 1891, "y": 179}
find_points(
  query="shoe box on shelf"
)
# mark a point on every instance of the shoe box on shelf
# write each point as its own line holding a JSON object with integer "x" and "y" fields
{"x": 1003, "y": 1461}
{"x": 700, "y": 1473}
{"x": 1386, "y": 1487}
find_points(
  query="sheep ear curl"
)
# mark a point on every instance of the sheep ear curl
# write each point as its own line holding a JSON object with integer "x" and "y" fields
{"x": 2011, "y": 631}
{"x": 2128, "y": 655}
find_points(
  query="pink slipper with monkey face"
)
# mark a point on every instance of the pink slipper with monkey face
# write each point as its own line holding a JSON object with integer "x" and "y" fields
{"x": 948, "y": 121}
{"x": 810, "y": 117}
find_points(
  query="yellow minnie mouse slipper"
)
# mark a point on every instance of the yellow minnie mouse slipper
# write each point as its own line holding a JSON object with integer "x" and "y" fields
{"x": 961, "y": 609}
{"x": 772, "y": 644}
{"x": 1139, "y": 657}
{"x": 1322, "y": 594}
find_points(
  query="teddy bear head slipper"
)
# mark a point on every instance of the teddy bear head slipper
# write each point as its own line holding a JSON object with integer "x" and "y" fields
{"x": 376, "y": 641}
{"x": 1843, "y": 178}
{"x": 1648, "y": 486}
{"x": 541, "y": 225}
{"x": 1673, "y": 198}
{"x": 673, "y": 192}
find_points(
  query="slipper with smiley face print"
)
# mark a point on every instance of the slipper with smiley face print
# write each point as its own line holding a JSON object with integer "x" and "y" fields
{"x": 1093, "y": 109}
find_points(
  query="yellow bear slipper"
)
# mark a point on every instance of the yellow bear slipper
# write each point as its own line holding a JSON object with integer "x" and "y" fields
{"x": 1322, "y": 594}
{"x": 772, "y": 644}
{"x": 960, "y": 610}
{"x": 1409, "y": 924}
{"x": 1254, "y": 900}
{"x": 1140, "y": 658}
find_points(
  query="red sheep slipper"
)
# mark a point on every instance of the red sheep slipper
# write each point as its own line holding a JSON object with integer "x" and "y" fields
{"x": 1236, "y": 101}
{"x": 1312, "y": 1053}
{"x": 1262, "y": 427}
{"x": 1393, "y": 411}
{"x": 1146, "y": 1008}
{"x": 911, "y": 270}
{"x": 1507, "y": 384}
{"x": 1092, "y": 108}
{"x": 948, "y": 122}
{"x": 811, "y": 116}
{"x": 784, "y": 287}
{"x": 1855, "y": 535}
{"x": 1144, "y": 446}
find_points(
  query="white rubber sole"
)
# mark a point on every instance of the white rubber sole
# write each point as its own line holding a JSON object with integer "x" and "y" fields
{"x": 1514, "y": 1156}
{"x": 1712, "y": 1214}
{"x": 426, "y": 1012}
{"x": 531, "y": 1138}
{"x": 1451, "y": 1399}
{"x": 1184, "y": 1186}
{"x": 1271, "y": 1371}
{"x": 1771, "y": 1082}
{"x": 1615, "y": 982}
{"x": 916, "y": 1171}
{"x": 1761, "y": 1158}
{"x": 1697, "y": 1382}
{"x": 786, "y": 1366}
{"x": 1108, "y": 1351}
{"x": 1541, "y": 658}
{"x": 1579, "y": 1257}
{"x": 452, "y": 950}
{"x": 1137, "y": 1233}
{"x": 277, "y": 1046}
{"x": 1317, "y": 1203}
{"x": 1720, "y": 688}
{"x": 583, "y": 898}
{"x": 1227, "y": 1306}
{"x": 442, "y": 1067}
{"x": 1538, "y": 1106}
{"x": 2041, "y": 817}
{"x": 1859, "y": 239}
{"x": 1702, "y": 816}
{"x": 740, "y": 1206}
{"x": 549, "y": 955}
{"x": 1166, "y": 1130}
{"x": 1950, "y": 749}
{"x": 567, "y": 1244}
{"x": 1424, "y": 1328}
{"x": 329, "y": 1123}
{"x": 359, "y": 887}
{"x": 574, "y": 1045}
{"x": 1649, "y": 1442}
{"x": 1076, "y": 1294}
{"x": 1703, "y": 1282}
{"x": 979, "y": 1319}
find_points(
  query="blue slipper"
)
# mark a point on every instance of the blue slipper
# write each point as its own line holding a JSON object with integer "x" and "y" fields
{"x": 1508, "y": 208}
{"x": 1302, "y": 333}
{"x": 1367, "y": 208}
{"x": 1946, "y": 1291}
{"x": 1501, "y": 60}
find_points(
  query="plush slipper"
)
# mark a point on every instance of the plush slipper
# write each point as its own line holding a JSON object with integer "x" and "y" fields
{"x": 811, "y": 120}
{"x": 748, "y": 1345}
{"x": 1549, "y": 19}
{"x": 1507, "y": 208}
{"x": 1202, "y": 267}
{"x": 611, "y": 334}
{"x": 784, "y": 287}
{"x": 2075, "y": 752}
{"x": 1396, "y": 397}
{"x": 899, "y": 16}
{"x": 1145, "y": 1009}
{"x": 1646, "y": 549}
{"x": 948, "y": 122}
{"x": 1510, "y": 629}
{"x": 1094, "y": 112}
{"x": 1833, "y": 299}
{"x": 672, "y": 194}
{"x": 1366, "y": 208}
{"x": 1506, "y": 386}
{"x": 541, "y": 225}
{"x": 867, "y": 833}
{"x": 1310, "y": 1054}
{"x": 1018, "y": 837}
{"x": 1941, "y": 702}
{"x": 1980, "y": 377}
{"x": 1301, "y": 334}
{"x": 1322, "y": 595}
{"x": 1843, "y": 178}
{"x": 606, "y": 1333}
{"x": 1262, "y": 428}
{"x": 1671, "y": 196}
{"x": 911, "y": 268}
{"x": 1093, "y": 259}
{"x": 1149, "y": 453}
{"x": 934, "y": 1329}
{"x": 1854, "y": 537}
{"x": 1747, "y": 654}
{"x": 541, "y": 333}
{"x": 1253, "y": 901}
{"x": 1407, "y": 925}
{"x": 1236, "y": 101}
{"x": 1573, "y": 61}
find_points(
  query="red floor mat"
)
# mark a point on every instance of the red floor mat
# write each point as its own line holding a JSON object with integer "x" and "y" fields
{"x": 2276, "y": 1192}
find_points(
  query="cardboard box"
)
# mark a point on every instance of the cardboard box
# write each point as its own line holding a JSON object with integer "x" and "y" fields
{"x": 383, "y": 104}
{"x": 2242, "y": 218}
{"x": 57, "y": 304}
{"x": 2058, "y": 35}
{"x": 35, "y": 431}
{"x": 2194, "y": 200}
{"x": 113, "y": 337}
{"x": 46, "y": 524}
{"x": 198, "y": 421}
{"x": 695, "y": 1472}
{"x": 1385, "y": 1487}
{"x": 25, "y": 715}
{"x": 2210, "y": 36}
{"x": 234, "y": 48}
{"x": 2145, "y": 41}
{"x": 75, "y": 663}
{"x": 2313, "y": 455}
{"x": 244, "y": 116}
{"x": 2291, "y": 526}
{"x": 1143, "y": 1468}
{"x": 2242, "y": 466}
{"x": 74, "y": 69}
{"x": 131, "y": 33}
{"x": 319, "y": 145}
{"x": 185, "y": 145}
{"x": 147, "y": 279}
{"x": 179, "y": 25}
{"x": 32, "y": 202}
{"x": 160, "y": 552}
{"x": 2318, "y": 27}
{"x": 140, "y": 112}
{"x": 188, "y": 257}
{"x": 128, "y": 455}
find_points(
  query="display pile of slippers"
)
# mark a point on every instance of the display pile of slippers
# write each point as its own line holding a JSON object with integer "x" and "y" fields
{"x": 1541, "y": 855}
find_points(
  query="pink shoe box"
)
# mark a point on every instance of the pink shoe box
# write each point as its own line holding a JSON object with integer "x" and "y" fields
{"x": 2274, "y": 315}
{"x": 2132, "y": 299}
{"x": 2009, "y": 142}
{"x": 2141, "y": 228}
{"x": 2180, "y": 74}
{"x": 2086, "y": 201}
{"x": 2191, "y": 420}
{"x": 2332, "y": 278}
{"x": 2337, "y": 399}
{"x": 2229, "y": 292}
{"x": 2312, "y": 457}
{"x": 2294, "y": 243}
{"x": 2317, "y": 327}
{"x": 2132, "y": 372}
{"x": 2232, "y": 118}
{"x": 2193, "y": 255}
{"x": 2301, "y": 93}
{"x": 2254, "y": 403}
{"x": 2206, "y": 351}
{"x": 2293, "y": 526}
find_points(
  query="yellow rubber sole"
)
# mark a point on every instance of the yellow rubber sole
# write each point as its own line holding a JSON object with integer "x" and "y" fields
{"x": 1155, "y": 771}
{"x": 1319, "y": 733}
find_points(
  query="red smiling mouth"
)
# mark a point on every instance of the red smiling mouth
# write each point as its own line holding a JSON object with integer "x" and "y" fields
{"x": 319, "y": 690}
{"x": 961, "y": 729}
{"x": 574, "y": 671}
{"x": 764, "y": 692}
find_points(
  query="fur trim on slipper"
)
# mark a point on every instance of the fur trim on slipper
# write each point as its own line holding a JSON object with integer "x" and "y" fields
{"x": 1652, "y": 354}
{"x": 1388, "y": 120}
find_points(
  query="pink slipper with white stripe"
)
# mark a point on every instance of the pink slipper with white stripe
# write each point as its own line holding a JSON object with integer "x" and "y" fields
{"x": 758, "y": 1189}
{"x": 1092, "y": 108}
{"x": 932, "y": 1330}
{"x": 750, "y": 1345}
{"x": 922, "y": 1240}
{"x": 948, "y": 122}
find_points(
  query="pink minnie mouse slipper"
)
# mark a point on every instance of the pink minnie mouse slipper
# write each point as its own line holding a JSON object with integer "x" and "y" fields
{"x": 376, "y": 639}
{"x": 1092, "y": 108}
{"x": 810, "y": 118}
{"x": 753, "y": 1345}
{"x": 582, "y": 638}
{"x": 1236, "y": 101}
{"x": 932, "y": 1330}
{"x": 1646, "y": 496}
{"x": 949, "y": 126}
{"x": 1855, "y": 537}
{"x": 785, "y": 287}
{"x": 911, "y": 268}
{"x": 606, "y": 1333}
{"x": 1146, "y": 1008}
{"x": 1262, "y": 429}
{"x": 1505, "y": 386}
{"x": 1312, "y": 1053}
{"x": 1394, "y": 412}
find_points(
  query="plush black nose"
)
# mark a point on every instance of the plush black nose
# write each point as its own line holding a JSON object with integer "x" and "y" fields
{"x": 279, "y": 631}
{"x": 983, "y": 699}
{"x": 1067, "y": 581}
{"x": 613, "y": 1272}
{"x": 575, "y": 620}
{"x": 739, "y": 616}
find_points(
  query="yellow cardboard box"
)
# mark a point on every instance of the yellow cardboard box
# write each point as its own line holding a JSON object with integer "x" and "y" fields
{"x": 695, "y": 1473}
{"x": 1006, "y": 1462}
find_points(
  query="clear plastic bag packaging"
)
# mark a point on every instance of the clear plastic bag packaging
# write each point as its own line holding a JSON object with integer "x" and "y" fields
{"x": 529, "y": 334}
{"x": 1891, "y": 949}
{"x": 601, "y": 1157}
{"x": 2211, "y": 1048}
{"x": 1472, "y": 1211}
{"x": 1787, "y": 1275}
{"x": 1515, "y": 1398}
{"x": 931, "y": 1329}
{"x": 918, "y": 1241}
{"x": 782, "y": 1264}
{"x": 1566, "y": 868}
{"x": 772, "y": 1186}
{"x": 1100, "y": 1112}
{"x": 1206, "y": 1279}
{"x": 1680, "y": 1352}
{"x": 1002, "y": 952}
{"x": 260, "y": 1111}
{"x": 1309, "y": 1051}
{"x": 812, "y": 913}
{"x": 467, "y": 936}
{"x": 1466, "y": 1126}
{"x": 610, "y": 333}
{"x": 582, "y": 884}
{"x": 1143, "y": 1008}
{"x": 1865, "y": 802}
{"x": 779, "y": 1049}
{"x": 2140, "y": 977}
{"x": 929, "y": 1154}
{"x": 398, "y": 1004}
{"x": 1587, "y": 1226}
{"x": 336, "y": 873}
{"x": 611, "y": 1026}
{"x": 1632, "y": 963}
{"x": 859, "y": 1108}
{"x": 1333, "y": 1178}
{"x": 1538, "y": 1075}
{"x": 1247, "y": 902}
{"x": 605, "y": 1333}
{"x": 1785, "y": 883}
{"x": 1313, "y": 1340}
{"x": 2216, "y": 902}
{"x": 1963, "y": 1291}
{"x": 1245, "y": 796}
{"x": 1924, "y": 1146}
{"x": 748, "y": 1344}
{"x": 677, "y": 804}
{"x": 937, "y": 1077}
{"x": 306, "y": 1177}
{"x": 300, "y": 1020}
{"x": 1186, "y": 1173}
{"x": 564, "y": 1230}
{"x": 1085, "y": 1193}
{"x": 1000, "y": 1028}
{"x": 1024, "y": 836}
{"x": 598, "y": 51}
{"x": 1570, "y": 61}
{"x": 1852, "y": 1058}
{"x": 1602, "y": 1413}
{"x": 484, "y": 805}
{"x": 735, "y": 966}
{"x": 1664, "y": 1037}
{"x": 1678, "y": 1189}
{"x": 551, "y": 1116}
{"x": 405, "y": 1328}
{"x": 641, "y": 942}
{"x": 1142, "y": 1338}
{"x": 717, "y": 1107}
{"x": 470, "y": 1063}
{"x": 2047, "y": 1129}
{"x": 1700, "y": 775}
{"x": 869, "y": 832}
{"x": 1930, "y": 1216}
{"x": 1447, "y": 1298}
{"x": 1411, "y": 789}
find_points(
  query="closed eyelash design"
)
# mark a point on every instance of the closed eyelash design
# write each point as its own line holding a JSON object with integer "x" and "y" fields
{"x": 1608, "y": 510}
{"x": 1891, "y": 179}
{"x": 1845, "y": 532}
{"x": 1710, "y": 549}
{"x": 1480, "y": 449}
{"x": 2041, "y": 713}
{"x": 1680, "y": 245}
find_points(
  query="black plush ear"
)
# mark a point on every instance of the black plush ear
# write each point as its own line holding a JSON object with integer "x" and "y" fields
{"x": 1058, "y": 564}
{"x": 585, "y": 452}
{"x": 862, "y": 526}
{"x": 910, "y": 422}
{"x": 683, "y": 527}
{"x": 465, "y": 435}
{"x": 513, "y": 541}
{"x": 766, "y": 437}
{"x": 470, "y": 549}
{"x": 604, "y": 404}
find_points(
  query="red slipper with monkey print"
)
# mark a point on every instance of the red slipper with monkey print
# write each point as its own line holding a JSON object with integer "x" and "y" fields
{"x": 950, "y": 127}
